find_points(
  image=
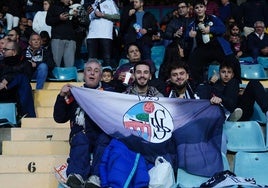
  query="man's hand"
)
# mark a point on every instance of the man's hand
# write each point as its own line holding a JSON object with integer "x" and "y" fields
{"x": 131, "y": 12}
{"x": 64, "y": 16}
{"x": 192, "y": 33}
{"x": 3, "y": 84}
{"x": 99, "y": 13}
{"x": 65, "y": 90}
{"x": 215, "y": 100}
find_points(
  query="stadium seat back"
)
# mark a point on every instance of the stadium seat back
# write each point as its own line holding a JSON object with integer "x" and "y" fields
{"x": 244, "y": 136}
{"x": 252, "y": 165}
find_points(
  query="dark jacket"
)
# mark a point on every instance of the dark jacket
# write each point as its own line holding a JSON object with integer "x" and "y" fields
{"x": 63, "y": 30}
{"x": 255, "y": 44}
{"x": 12, "y": 66}
{"x": 15, "y": 7}
{"x": 34, "y": 6}
{"x": 228, "y": 93}
{"x": 64, "y": 112}
{"x": 148, "y": 22}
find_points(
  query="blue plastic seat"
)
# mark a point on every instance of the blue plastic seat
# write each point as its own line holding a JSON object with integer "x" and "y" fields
{"x": 185, "y": 179}
{"x": 252, "y": 165}
{"x": 123, "y": 61}
{"x": 258, "y": 115}
{"x": 254, "y": 71}
{"x": 157, "y": 54}
{"x": 245, "y": 60}
{"x": 64, "y": 74}
{"x": 8, "y": 114}
{"x": 244, "y": 136}
{"x": 263, "y": 61}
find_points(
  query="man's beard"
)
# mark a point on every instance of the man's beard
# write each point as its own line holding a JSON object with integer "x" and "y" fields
{"x": 179, "y": 87}
{"x": 141, "y": 86}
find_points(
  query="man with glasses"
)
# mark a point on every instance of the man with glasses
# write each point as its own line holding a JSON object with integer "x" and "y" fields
{"x": 258, "y": 41}
{"x": 14, "y": 83}
{"x": 176, "y": 28}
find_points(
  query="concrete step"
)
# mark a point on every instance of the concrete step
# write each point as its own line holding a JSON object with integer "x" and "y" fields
{"x": 34, "y": 180}
{"x": 30, "y": 164}
{"x": 46, "y": 111}
{"x": 35, "y": 148}
{"x": 45, "y": 97}
{"x": 34, "y": 134}
{"x": 56, "y": 85}
{"x": 46, "y": 122}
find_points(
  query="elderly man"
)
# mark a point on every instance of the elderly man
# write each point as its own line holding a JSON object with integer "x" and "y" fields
{"x": 85, "y": 136}
{"x": 258, "y": 41}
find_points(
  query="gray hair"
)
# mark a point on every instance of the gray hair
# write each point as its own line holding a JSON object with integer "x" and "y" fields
{"x": 93, "y": 60}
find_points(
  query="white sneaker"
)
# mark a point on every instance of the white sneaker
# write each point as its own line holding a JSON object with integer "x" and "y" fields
{"x": 92, "y": 182}
{"x": 235, "y": 115}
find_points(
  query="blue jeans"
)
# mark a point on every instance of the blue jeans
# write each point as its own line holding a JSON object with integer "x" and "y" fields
{"x": 40, "y": 75}
{"x": 25, "y": 96}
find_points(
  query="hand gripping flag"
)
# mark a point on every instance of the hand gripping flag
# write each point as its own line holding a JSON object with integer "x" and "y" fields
{"x": 152, "y": 126}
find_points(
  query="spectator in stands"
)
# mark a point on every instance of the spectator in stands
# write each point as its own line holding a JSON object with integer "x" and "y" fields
{"x": 176, "y": 29}
{"x": 46, "y": 45}
{"x": 62, "y": 33}
{"x": 141, "y": 27}
{"x": 257, "y": 42}
{"x": 212, "y": 7}
{"x": 14, "y": 35}
{"x": 3, "y": 42}
{"x": 100, "y": 34}
{"x": 210, "y": 45}
{"x": 35, "y": 57}
{"x": 2, "y": 31}
{"x": 226, "y": 92}
{"x": 14, "y": 84}
{"x": 14, "y": 12}
{"x": 179, "y": 85}
{"x": 229, "y": 9}
{"x": 39, "y": 21}
{"x": 238, "y": 45}
{"x": 140, "y": 86}
{"x": 25, "y": 28}
{"x": 32, "y": 7}
{"x": 125, "y": 17}
{"x": 85, "y": 136}
{"x": 107, "y": 79}
{"x": 252, "y": 11}
{"x": 173, "y": 53}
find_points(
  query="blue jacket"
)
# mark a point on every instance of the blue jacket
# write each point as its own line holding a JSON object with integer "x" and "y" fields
{"x": 217, "y": 29}
{"x": 121, "y": 167}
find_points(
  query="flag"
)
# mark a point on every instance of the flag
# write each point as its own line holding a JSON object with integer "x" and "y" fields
{"x": 153, "y": 126}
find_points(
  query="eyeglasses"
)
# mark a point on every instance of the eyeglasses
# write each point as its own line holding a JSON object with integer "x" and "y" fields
{"x": 6, "y": 49}
{"x": 259, "y": 27}
{"x": 182, "y": 7}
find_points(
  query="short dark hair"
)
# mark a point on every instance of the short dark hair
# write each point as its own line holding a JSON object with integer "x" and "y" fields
{"x": 227, "y": 64}
{"x": 199, "y": 2}
{"x": 178, "y": 65}
{"x": 108, "y": 70}
{"x": 142, "y": 63}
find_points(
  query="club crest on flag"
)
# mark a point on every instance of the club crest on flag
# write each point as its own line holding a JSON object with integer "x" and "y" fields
{"x": 151, "y": 120}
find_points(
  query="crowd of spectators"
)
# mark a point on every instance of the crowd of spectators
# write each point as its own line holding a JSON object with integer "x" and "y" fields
{"x": 37, "y": 35}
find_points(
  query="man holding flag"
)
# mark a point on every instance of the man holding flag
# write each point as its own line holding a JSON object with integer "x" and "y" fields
{"x": 86, "y": 136}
